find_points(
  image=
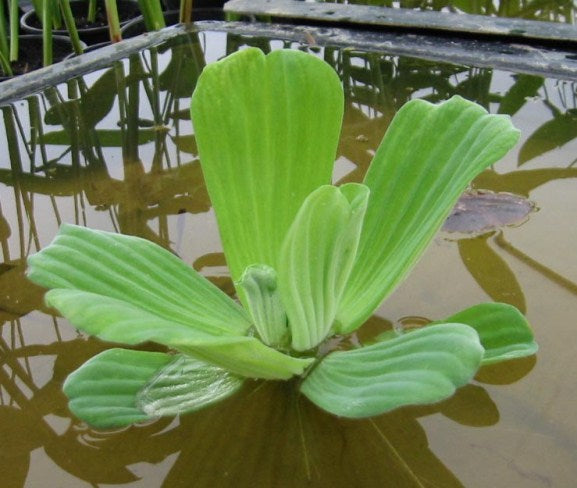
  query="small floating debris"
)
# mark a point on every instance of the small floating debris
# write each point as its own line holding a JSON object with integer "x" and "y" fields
{"x": 480, "y": 211}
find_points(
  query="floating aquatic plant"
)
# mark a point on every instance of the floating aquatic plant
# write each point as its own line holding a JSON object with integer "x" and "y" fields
{"x": 309, "y": 260}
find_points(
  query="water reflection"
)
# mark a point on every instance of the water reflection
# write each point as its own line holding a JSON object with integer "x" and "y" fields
{"x": 547, "y": 10}
{"x": 116, "y": 150}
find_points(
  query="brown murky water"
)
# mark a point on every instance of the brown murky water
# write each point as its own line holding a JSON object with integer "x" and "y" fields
{"x": 115, "y": 150}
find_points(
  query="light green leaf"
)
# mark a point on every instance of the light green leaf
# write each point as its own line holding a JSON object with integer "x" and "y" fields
{"x": 137, "y": 272}
{"x": 267, "y": 129}
{"x": 503, "y": 330}
{"x": 418, "y": 368}
{"x": 259, "y": 285}
{"x": 119, "y": 387}
{"x": 186, "y": 385}
{"x": 117, "y": 321}
{"x": 426, "y": 159}
{"x": 247, "y": 356}
{"x": 103, "y": 391}
{"x": 316, "y": 260}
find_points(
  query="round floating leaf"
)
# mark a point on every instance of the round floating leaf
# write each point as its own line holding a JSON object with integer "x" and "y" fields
{"x": 417, "y": 368}
{"x": 503, "y": 330}
{"x": 103, "y": 391}
{"x": 119, "y": 387}
{"x": 483, "y": 211}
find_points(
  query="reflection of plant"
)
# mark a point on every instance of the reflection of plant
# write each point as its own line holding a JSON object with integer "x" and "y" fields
{"x": 551, "y": 10}
{"x": 310, "y": 260}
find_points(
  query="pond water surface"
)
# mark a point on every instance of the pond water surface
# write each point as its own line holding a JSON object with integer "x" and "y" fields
{"x": 544, "y": 10}
{"x": 115, "y": 150}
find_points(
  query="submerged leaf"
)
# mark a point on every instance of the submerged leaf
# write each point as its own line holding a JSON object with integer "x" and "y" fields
{"x": 139, "y": 273}
{"x": 503, "y": 330}
{"x": 267, "y": 129}
{"x": 186, "y": 385}
{"x": 426, "y": 159}
{"x": 483, "y": 211}
{"x": 316, "y": 260}
{"x": 103, "y": 391}
{"x": 119, "y": 387}
{"x": 417, "y": 368}
{"x": 117, "y": 321}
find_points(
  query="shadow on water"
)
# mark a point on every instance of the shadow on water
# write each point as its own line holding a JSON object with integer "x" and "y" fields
{"x": 116, "y": 150}
{"x": 264, "y": 434}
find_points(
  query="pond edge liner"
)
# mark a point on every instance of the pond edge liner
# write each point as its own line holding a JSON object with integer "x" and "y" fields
{"x": 28, "y": 84}
{"x": 507, "y": 56}
{"x": 515, "y": 57}
{"x": 377, "y": 17}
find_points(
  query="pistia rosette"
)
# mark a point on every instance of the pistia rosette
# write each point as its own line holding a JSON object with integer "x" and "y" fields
{"x": 310, "y": 260}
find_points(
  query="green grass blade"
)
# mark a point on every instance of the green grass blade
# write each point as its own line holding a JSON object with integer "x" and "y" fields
{"x": 113, "y": 20}
{"x": 152, "y": 14}
{"x": 428, "y": 156}
{"x": 317, "y": 258}
{"x": 117, "y": 321}
{"x": 417, "y": 368}
{"x": 267, "y": 129}
{"x": 139, "y": 273}
{"x": 71, "y": 28}
{"x": 504, "y": 331}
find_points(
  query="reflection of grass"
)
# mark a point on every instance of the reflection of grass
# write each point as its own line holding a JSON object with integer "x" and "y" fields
{"x": 546, "y": 10}
{"x": 71, "y": 162}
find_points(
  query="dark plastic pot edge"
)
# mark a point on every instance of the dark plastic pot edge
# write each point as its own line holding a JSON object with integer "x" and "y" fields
{"x": 90, "y": 35}
{"x": 55, "y": 39}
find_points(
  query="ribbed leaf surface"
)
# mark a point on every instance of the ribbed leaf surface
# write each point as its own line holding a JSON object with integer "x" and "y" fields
{"x": 103, "y": 391}
{"x": 260, "y": 288}
{"x": 417, "y": 368}
{"x": 426, "y": 159}
{"x": 139, "y": 273}
{"x": 119, "y": 387}
{"x": 316, "y": 260}
{"x": 117, "y": 321}
{"x": 186, "y": 385}
{"x": 267, "y": 129}
{"x": 503, "y": 330}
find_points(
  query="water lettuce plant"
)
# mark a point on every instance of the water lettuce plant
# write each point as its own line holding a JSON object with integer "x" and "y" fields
{"x": 309, "y": 260}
